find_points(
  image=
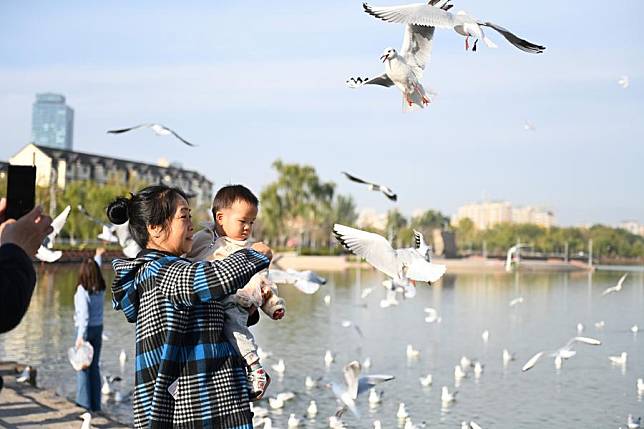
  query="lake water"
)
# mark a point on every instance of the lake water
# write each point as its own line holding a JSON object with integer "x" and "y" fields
{"x": 588, "y": 391}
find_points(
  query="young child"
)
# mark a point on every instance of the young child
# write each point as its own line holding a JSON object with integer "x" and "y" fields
{"x": 234, "y": 210}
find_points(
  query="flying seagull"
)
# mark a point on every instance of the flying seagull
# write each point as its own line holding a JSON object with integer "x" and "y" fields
{"x": 405, "y": 69}
{"x": 115, "y": 233}
{"x": 355, "y": 385}
{"x": 158, "y": 129}
{"x": 401, "y": 265}
{"x": 563, "y": 353}
{"x": 624, "y": 82}
{"x": 431, "y": 16}
{"x": 305, "y": 281}
{"x": 373, "y": 186}
{"x": 45, "y": 253}
{"x": 617, "y": 287}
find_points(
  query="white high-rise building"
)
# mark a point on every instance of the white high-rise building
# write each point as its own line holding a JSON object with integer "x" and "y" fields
{"x": 488, "y": 214}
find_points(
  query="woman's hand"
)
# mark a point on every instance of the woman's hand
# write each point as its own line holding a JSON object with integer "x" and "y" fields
{"x": 263, "y": 249}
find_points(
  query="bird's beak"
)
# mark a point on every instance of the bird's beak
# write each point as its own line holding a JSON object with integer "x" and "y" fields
{"x": 384, "y": 57}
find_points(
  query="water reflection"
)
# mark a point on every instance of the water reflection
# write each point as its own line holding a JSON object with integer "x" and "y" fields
{"x": 588, "y": 390}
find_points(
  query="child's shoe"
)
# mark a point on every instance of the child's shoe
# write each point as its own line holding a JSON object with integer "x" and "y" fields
{"x": 258, "y": 380}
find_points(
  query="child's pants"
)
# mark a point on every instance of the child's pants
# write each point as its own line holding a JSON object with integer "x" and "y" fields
{"x": 237, "y": 332}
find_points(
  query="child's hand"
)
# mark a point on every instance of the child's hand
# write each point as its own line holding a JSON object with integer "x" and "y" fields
{"x": 263, "y": 249}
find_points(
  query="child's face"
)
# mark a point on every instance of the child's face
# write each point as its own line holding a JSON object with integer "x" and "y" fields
{"x": 237, "y": 220}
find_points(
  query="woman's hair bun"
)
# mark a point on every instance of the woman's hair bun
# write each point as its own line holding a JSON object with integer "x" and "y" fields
{"x": 117, "y": 211}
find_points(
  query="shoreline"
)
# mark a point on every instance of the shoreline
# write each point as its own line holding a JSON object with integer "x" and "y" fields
{"x": 25, "y": 406}
{"x": 465, "y": 265}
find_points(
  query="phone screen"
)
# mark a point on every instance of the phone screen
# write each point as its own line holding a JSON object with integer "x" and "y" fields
{"x": 21, "y": 190}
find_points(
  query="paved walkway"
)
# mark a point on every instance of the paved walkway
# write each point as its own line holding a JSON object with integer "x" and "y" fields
{"x": 24, "y": 406}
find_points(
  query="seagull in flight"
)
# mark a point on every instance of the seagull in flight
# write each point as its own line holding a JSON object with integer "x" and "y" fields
{"x": 402, "y": 265}
{"x": 435, "y": 15}
{"x": 305, "y": 281}
{"x": 617, "y": 287}
{"x": 405, "y": 69}
{"x": 115, "y": 233}
{"x": 373, "y": 186}
{"x": 563, "y": 353}
{"x": 45, "y": 253}
{"x": 355, "y": 385}
{"x": 624, "y": 82}
{"x": 158, "y": 129}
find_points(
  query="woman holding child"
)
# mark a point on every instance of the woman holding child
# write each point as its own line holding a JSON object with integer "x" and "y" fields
{"x": 187, "y": 374}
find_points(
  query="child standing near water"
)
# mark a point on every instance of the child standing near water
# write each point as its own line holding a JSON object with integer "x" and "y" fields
{"x": 235, "y": 209}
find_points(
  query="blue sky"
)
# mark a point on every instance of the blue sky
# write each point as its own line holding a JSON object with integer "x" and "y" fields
{"x": 254, "y": 81}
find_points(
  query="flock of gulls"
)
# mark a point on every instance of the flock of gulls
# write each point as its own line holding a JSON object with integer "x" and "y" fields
{"x": 405, "y": 268}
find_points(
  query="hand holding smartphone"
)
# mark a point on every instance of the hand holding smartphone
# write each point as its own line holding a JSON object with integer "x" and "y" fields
{"x": 21, "y": 190}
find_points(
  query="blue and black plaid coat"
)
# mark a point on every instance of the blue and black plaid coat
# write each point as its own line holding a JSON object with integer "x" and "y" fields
{"x": 179, "y": 320}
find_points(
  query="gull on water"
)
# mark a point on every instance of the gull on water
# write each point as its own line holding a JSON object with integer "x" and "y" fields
{"x": 263, "y": 354}
{"x": 293, "y": 421}
{"x": 400, "y": 265}
{"x": 122, "y": 358}
{"x": 329, "y": 358}
{"x": 377, "y": 424}
{"x": 327, "y": 299}
{"x": 354, "y": 385}
{"x": 600, "y": 324}
{"x": 580, "y": 328}
{"x": 307, "y": 282}
{"x": 335, "y": 423}
{"x": 107, "y": 384}
{"x": 45, "y": 253}
{"x": 478, "y": 369}
{"x": 280, "y": 367}
{"x": 374, "y": 397}
{"x": 402, "y": 411}
{"x": 617, "y": 287}
{"x": 432, "y": 315}
{"x": 366, "y": 292}
{"x": 312, "y": 409}
{"x": 485, "y": 336}
{"x": 348, "y": 324}
{"x": 366, "y": 363}
{"x": 310, "y": 383}
{"x": 508, "y": 357}
{"x": 635, "y": 329}
{"x": 158, "y": 129}
{"x": 446, "y": 396}
{"x": 471, "y": 425}
{"x": 633, "y": 423}
{"x": 516, "y": 301}
{"x": 386, "y": 191}
{"x": 432, "y": 16}
{"x": 278, "y": 401}
{"x": 258, "y": 411}
{"x": 459, "y": 373}
{"x": 405, "y": 69}
{"x": 619, "y": 360}
{"x": 409, "y": 424}
{"x": 563, "y": 353}
{"x": 640, "y": 386}
{"x": 411, "y": 352}
{"x": 426, "y": 381}
{"x": 465, "y": 363}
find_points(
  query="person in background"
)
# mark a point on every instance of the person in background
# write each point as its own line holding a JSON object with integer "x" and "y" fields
{"x": 19, "y": 242}
{"x": 88, "y": 319}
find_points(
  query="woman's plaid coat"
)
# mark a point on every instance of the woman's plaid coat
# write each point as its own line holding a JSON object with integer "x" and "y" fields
{"x": 179, "y": 320}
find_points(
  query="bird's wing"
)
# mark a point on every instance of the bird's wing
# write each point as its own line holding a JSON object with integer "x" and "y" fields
{"x": 621, "y": 281}
{"x": 313, "y": 277}
{"x": 281, "y": 277}
{"x": 356, "y": 179}
{"x": 382, "y": 80}
{"x": 474, "y": 425}
{"x": 419, "y": 240}
{"x": 609, "y": 290}
{"x": 351, "y": 375}
{"x": 520, "y": 43}
{"x": 306, "y": 286}
{"x": 367, "y": 382}
{"x": 300, "y": 281}
{"x": 125, "y": 130}
{"x": 533, "y": 360}
{"x": 416, "y": 14}
{"x": 422, "y": 271}
{"x": 285, "y": 396}
{"x": 57, "y": 225}
{"x": 372, "y": 247}
{"x": 388, "y": 193}
{"x": 127, "y": 243}
{"x": 585, "y": 340}
{"x": 181, "y": 138}
{"x": 417, "y": 47}
{"x": 47, "y": 255}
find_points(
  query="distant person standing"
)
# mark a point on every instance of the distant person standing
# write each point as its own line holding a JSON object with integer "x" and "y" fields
{"x": 88, "y": 319}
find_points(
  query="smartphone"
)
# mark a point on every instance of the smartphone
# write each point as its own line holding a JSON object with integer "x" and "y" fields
{"x": 21, "y": 190}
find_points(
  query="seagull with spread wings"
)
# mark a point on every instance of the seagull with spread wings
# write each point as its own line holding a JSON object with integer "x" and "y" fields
{"x": 355, "y": 385}
{"x": 387, "y": 192}
{"x": 563, "y": 353}
{"x": 305, "y": 281}
{"x": 158, "y": 129}
{"x": 435, "y": 15}
{"x": 405, "y": 69}
{"x": 402, "y": 265}
{"x": 45, "y": 253}
{"x": 617, "y": 287}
